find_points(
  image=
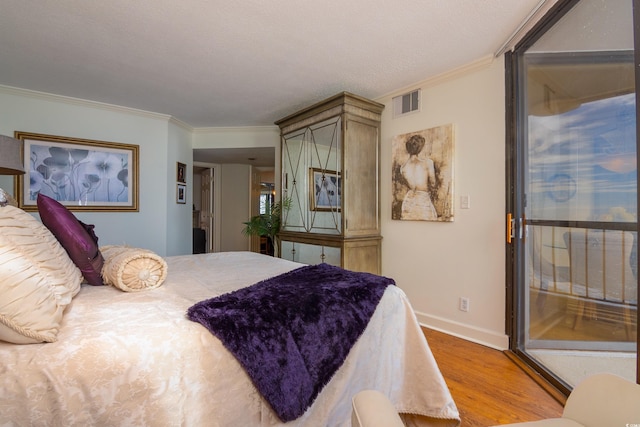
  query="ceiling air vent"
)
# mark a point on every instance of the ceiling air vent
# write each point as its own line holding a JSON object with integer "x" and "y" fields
{"x": 407, "y": 103}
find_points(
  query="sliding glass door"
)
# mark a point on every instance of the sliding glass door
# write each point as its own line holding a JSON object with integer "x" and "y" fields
{"x": 574, "y": 200}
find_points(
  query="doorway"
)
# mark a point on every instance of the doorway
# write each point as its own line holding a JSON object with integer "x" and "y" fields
{"x": 572, "y": 173}
{"x": 206, "y": 208}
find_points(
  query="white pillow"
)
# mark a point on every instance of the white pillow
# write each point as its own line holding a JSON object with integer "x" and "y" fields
{"x": 37, "y": 279}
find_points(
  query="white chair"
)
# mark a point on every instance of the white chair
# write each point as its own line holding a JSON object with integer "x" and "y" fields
{"x": 601, "y": 400}
{"x": 373, "y": 409}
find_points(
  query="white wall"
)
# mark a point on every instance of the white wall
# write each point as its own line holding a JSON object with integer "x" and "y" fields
{"x": 179, "y": 230}
{"x": 41, "y": 113}
{"x": 437, "y": 263}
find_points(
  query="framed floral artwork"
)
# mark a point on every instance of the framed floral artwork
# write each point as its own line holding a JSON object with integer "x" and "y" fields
{"x": 81, "y": 174}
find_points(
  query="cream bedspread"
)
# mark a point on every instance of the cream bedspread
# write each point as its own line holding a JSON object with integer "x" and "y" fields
{"x": 134, "y": 359}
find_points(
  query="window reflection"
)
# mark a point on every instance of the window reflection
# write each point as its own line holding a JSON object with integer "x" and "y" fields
{"x": 582, "y": 162}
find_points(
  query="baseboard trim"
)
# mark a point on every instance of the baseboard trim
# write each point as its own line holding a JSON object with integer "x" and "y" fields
{"x": 470, "y": 333}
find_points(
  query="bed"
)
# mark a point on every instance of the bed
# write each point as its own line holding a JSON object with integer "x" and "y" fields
{"x": 135, "y": 359}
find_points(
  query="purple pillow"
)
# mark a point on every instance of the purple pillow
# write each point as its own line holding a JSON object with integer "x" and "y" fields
{"x": 77, "y": 238}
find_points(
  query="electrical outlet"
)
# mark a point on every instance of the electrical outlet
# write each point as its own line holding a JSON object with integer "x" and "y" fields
{"x": 464, "y": 304}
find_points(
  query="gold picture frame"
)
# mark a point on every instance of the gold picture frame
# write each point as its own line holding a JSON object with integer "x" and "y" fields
{"x": 325, "y": 190}
{"x": 81, "y": 174}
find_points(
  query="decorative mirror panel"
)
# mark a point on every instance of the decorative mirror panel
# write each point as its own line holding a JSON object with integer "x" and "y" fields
{"x": 310, "y": 254}
{"x": 312, "y": 178}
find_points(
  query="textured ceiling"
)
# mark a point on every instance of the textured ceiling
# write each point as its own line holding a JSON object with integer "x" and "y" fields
{"x": 244, "y": 63}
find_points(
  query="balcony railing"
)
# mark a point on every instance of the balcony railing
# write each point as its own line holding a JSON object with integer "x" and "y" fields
{"x": 594, "y": 270}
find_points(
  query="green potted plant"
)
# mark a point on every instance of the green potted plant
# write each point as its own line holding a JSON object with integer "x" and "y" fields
{"x": 267, "y": 224}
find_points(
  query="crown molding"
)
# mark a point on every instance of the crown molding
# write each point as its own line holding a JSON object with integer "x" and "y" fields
{"x": 452, "y": 74}
{"x": 542, "y": 8}
{"x": 237, "y": 129}
{"x": 181, "y": 124}
{"x": 9, "y": 90}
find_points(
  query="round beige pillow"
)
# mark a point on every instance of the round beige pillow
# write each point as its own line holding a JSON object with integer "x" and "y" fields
{"x": 132, "y": 269}
{"x": 37, "y": 279}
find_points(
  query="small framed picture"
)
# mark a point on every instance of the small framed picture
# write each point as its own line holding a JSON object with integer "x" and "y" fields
{"x": 325, "y": 189}
{"x": 181, "y": 194}
{"x": 181, "y": 173}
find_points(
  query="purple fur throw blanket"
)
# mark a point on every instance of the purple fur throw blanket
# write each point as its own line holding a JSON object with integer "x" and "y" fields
{"x": 293, "y": 331}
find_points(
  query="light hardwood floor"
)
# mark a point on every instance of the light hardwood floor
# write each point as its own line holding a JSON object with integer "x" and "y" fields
{"x": 487, "y": 386}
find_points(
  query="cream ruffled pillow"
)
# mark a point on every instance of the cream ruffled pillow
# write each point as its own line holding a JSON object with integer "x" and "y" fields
{"x": 37, "y": 279}
{"x": 132, "y": 269}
